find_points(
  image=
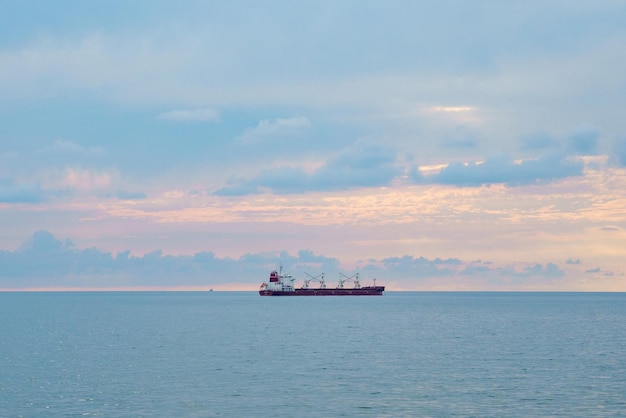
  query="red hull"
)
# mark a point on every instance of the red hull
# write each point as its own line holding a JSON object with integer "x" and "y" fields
{"x": 363, "y": 291}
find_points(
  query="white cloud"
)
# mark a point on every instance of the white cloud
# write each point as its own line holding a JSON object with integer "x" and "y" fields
{"x": 277, "y": 127}
{"x": 130, "y": 68}
{"x": 71, "y": 147}
{"x": 203, "y": 114}
{"x": 453, "y": 109}
{"x": 105, "y": 65}
{"x": 85, "y": 180}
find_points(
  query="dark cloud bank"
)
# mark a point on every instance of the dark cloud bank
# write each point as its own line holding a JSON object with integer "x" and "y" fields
{"x": 44, "y": 261}
{"x": 503, "y": 169}
{"x": 375, "y": 165}
{"x": 366, "y": 164}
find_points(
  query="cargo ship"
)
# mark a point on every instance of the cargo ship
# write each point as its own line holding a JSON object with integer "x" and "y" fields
{"x": 281, "y": 284}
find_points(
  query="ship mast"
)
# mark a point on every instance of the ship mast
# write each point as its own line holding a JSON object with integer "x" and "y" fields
{"x": 315, "y": 279}
{"x": 354, "y": 278}
{"x": 283, "y": 279}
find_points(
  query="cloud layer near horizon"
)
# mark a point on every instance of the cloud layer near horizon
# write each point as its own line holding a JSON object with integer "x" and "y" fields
{"x": 45, "y": 262}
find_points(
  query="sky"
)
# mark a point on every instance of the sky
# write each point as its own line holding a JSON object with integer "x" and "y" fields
{"x": 430, "y": 145}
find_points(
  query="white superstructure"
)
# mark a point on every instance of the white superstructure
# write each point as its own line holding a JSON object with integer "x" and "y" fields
{"x": 279, "y": 281}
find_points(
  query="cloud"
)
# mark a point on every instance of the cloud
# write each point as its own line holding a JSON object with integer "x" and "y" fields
{"x": 539, "y": 141}
{"x": 188, "y": 115}
{"x": 10, "y": 192}
{"x": 230, "y": 58}
{"x": 62, "y": 145}
{"x": 63, "y": 183}
{"x": 362, "y": 165}
{"x": 503, "y": 169}
{"x": 610, "y": 228}
{"x": 427, "y": 268}
{"x": 122, "y": 195}
{"x": 451, "y": 109}
{"x": 538, "y": 270}
{"x": 583, "y": 141}
{"x": 460, "y": 143}
{"x": 370, "y": 165}
{"x": 85, "y": 180}
{"x": 619, "y": 149}
{"x": 45, "y": 261}
{"x": 242, "y": 187}
{"x": 460, "y": 115}
{"x": 277, "y": 127}
{"x": 415, "y": 175}
{"x": 42, "y": 243}
{"x": 281, "y": 180}
{"x": 573, "y": 261}
{"x": 421, "y": 267}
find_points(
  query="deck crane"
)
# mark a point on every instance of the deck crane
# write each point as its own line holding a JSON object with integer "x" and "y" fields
{"x": 315, "y": 279}
{"x": 354, "y": 278}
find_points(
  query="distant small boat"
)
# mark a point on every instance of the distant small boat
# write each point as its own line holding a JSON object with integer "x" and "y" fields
{"x": 282, "y": 285}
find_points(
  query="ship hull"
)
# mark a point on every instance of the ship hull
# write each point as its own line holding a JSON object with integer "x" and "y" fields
{"x": 363, "y": 291}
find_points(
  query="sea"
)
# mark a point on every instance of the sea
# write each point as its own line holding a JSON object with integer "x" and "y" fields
{"x": 237, "y": 354}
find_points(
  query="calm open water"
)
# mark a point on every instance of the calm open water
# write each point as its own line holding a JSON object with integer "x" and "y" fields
{"x": 239, "y": 354}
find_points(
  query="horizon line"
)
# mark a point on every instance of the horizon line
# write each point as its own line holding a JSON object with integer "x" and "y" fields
{"x": 209, "y": 289}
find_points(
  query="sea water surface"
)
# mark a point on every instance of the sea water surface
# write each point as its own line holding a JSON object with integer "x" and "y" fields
{"x": 239, "y": 354}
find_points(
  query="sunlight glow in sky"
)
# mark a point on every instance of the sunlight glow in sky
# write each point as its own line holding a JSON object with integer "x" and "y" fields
{"x": 441, "y": 145}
